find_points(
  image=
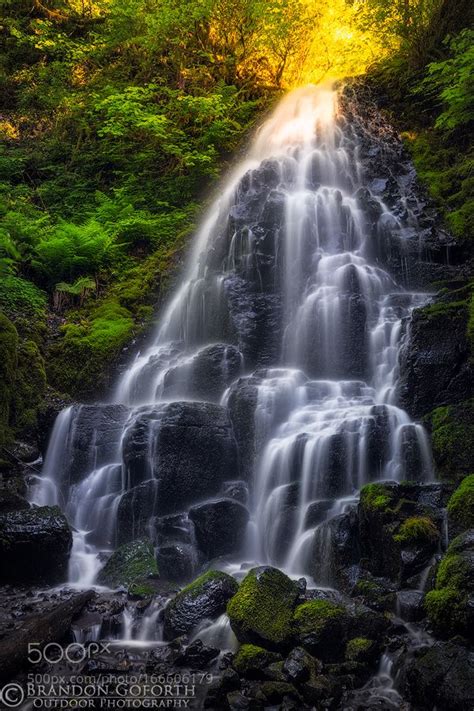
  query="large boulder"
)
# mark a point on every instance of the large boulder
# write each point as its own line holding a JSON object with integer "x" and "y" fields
{"x": 205, "y": 598}
{"x": 35, "y": 544}
{"x": 261, "y": 613}
{"x": 320, "y": 627}
{"x": 187, "y": 447}
{"x": 176, "y": 554}
{"x": 438, "y": 677}
{"x": 219, "y": 526}
{"x": 133, "y": 565}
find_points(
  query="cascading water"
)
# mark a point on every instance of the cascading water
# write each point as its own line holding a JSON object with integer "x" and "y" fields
{"x": 282, "y": 343}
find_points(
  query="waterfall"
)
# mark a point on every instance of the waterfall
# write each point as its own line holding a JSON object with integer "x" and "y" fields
{"x": 286, "y": 330}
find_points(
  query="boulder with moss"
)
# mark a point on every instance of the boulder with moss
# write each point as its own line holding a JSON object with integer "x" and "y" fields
{"x": 398, "y": 528}
{"x": 452, "y": 436}
{"x": 461, "y": 507}
{"x": 320, "y": 626}
{"x": 261, "y": 612}
{"x": 450, "y": 606}
{"x": 133, "y": 566}
{"x": 361, "y": 650}
{"x": 35, "y": 544}
{"x": 251, "y": 661}
{"x": 204, "y": 598}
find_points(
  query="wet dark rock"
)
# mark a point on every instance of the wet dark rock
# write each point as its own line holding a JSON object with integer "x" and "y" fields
{"x": 194, "y": 452}
{"x": 45, "y": 625}
{"x": 10, "y": 500}
{"x": 211, "y": 370}
{"x": 219, "y": 526}
{"x": 237, "y": 490}
{"x": 101, "y": 425}
{"x": 437, "y": 350}
{"x": 439, "y": 676}
{"x": 196, "y": 656}
{"x": 241, "y": 405}
{"x": 410, "y": 604}
{"x": 343, "y": 554}
{"x": 299, "y": 666}
{"x": 205, "y": 598}
{"x": 177, "y": 562}
{"x": 35, "y": 544}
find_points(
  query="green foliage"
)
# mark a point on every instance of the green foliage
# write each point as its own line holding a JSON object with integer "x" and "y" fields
{"x": 8, "y": 364}
{"x": 452, "y": 81}
{"x": 417, "y": 530}
{"x": 461, "y": 505}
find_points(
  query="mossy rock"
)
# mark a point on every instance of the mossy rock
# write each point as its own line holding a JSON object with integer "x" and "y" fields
{"x": 376, "y": 595}
{"x": 204, "y": 598}
{"x": 133, "y": 565}
{"x": 452, "y": 436}
{"x": 261, "y": 612}
{"x": 251, "y": 660}
{"x": 275, "y": 691}
{"x": 449, "y": 605}
{"x": 376, "y": 497}
{"x": 361, "y": 650}
{"x": 320, "y": 627}
{"x": 417, "y": 530}
{"x": 461, "y": 506}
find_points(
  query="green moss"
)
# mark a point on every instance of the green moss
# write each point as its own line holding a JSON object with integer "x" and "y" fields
{"x": 130, "y": 565}
{"x": 313, "y": 616}
{"x": 359, "y": 649}
{"x": 461, "y": 505}
{"x": 453, "y": 438}
{"x": 447, "y": 606}
{"x": 417, "y": 530}
{"x": 195, "y": 588}
{"x": 250, "y": 660}
{"x": 376, "y": 497}
{"x": 262, "y": 610}
{"x": 8, "y": 365}
{"x": 30, "y": 386}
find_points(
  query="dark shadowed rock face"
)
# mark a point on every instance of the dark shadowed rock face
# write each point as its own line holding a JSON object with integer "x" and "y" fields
{"x": 219, "y": 526}
{"x": 440, "y": 676}
{"x": 94, "y": 438}
{"x": 175, "y": 455}
{"x": 205, "y": 598}
{"x": 207, "y": 374}
{"x": 34, "y": 545}
{"x": 434, "y": 362}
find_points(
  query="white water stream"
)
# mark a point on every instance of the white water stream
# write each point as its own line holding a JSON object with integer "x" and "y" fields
{"x": 326, "y": 417}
